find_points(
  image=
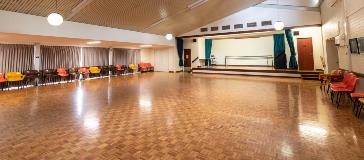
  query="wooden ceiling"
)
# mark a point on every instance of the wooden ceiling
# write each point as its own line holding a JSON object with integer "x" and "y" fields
{"x": 150, "y": 16}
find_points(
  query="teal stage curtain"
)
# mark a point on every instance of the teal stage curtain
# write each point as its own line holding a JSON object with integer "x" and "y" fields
{"x": 292, "y": 60}
{"x": 208, "y": 47}
{"x": 280, "y": 61}
{"x": 179, "y": 42}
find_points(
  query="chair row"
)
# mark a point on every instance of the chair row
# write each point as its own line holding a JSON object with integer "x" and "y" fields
{"x": 339, "y": 84}
{"x": 46, "y": 76}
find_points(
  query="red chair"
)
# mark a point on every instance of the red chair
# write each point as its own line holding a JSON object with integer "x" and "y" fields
{"x": 3, "y": 81}
{"x": 355, "y": 99}
{"x": 335, "y": 76}
{"x": 347, "y": 88}
{"x": 347, "y": 78}
{"x": 62, "y": 73}
{"x": 119, "y": 69}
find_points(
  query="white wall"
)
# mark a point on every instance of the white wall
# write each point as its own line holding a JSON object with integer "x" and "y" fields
{"x": 35, "y": 25}
{"x": 344, "y": 18}
{"x": 261, "y": 46}
{"x": 163, "y": 59}
{"x": 291, "y": 18}
{"x": 197, "y": 49}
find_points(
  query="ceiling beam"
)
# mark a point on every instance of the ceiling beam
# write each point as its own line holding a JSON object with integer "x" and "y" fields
{"x": 78, "y": 8}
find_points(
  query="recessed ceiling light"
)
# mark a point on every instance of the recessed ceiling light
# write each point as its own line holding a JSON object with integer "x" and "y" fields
{"x": 94, "y": 42}
{"x": 146, "y": 46}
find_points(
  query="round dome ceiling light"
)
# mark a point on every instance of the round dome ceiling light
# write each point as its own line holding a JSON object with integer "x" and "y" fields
{"x": 55, "y": 19}
{"x": 279, "y": 25}
{"x": 169, "y": 36}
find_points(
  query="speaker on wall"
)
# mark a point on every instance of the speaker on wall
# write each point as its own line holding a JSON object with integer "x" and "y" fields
{"x": 194, "y": 40}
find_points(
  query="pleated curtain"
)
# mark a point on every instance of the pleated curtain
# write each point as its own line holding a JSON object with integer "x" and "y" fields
{"x": 53, "y": 57}
{"x": 16, "y": 57}
{"x": 126, "y": 56}
{"x": 292, "y": 60}
{"x": 93, "y": 56}
{"x": 280, "y": 61}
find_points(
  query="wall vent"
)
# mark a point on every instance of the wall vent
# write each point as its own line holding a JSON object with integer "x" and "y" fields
{"x": 204, "y": 29}
{"x": 214, "y": 28}
{"x": 227, "y": 27}
{"x": 266, "y": 23}
{"x": 237, "y": 26}
{"x": 252, "y": 24}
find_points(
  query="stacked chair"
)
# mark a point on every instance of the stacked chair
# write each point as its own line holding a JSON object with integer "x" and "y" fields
{"x": 49, "y": 76}
{"x": 145, "y": 67}
{"x": 73, "y": 73}
{"x": 63, "y": 74}
{"x": 3, "y": 81}
{"x": 95, "y": 71}
{"x": 84, "y": 72}
{"x": 132, "y": 68}
{"x": 105, "y": 70}
{"x": 346, "y": 86}
{"x": 14, "y": 77}
{"x": 118, "y": 70}
{"x": 31, "y": 77}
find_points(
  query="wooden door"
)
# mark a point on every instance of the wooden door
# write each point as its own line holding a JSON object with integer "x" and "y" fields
{"x": 305, "y": 54}
{"x": 187, "y": 57}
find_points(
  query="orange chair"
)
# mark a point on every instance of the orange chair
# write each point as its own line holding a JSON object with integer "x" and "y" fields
{"x": 143, "y": 67}
{"x": 150, "y": 67}
{"x": 3, "y": 81}
{"x": 62, "y": 73}
{"x": 84, "y": 72}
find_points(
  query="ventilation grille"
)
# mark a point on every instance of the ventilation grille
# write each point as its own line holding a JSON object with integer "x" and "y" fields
{"x": 227, "y": 27}
{"x": 214, "y": 28}
{"x": 238, "y": 26}
{"x": 204, "y": 29}
{"x": 266, "y": 23}
{"x": 252, "y": 24}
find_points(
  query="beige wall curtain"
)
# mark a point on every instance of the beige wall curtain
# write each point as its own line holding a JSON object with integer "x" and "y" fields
{"x": 126, "y": 56}
{"x": 93, "y": 56}
{"x": 53, "y": 57}
{"x": 16, "y": 57}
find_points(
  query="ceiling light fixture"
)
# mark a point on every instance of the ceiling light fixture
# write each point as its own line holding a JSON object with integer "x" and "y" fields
{"x": 146, "y": 46}
{"x": 94, "y": 42}
{"x": 55, "y": 19}
{"x": 278, "y": 25}
{"x": 197, "y": 3}
{"x": 169, "y": 36}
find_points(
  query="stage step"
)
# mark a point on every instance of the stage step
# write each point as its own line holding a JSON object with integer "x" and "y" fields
{"x": 310, "y": 75}
{"x": 266, "y": 72}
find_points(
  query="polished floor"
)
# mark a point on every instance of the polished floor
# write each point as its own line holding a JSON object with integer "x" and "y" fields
{"x": 178, "y": 116}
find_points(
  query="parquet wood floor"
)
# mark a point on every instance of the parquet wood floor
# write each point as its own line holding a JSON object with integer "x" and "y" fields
{"x": 177, "y": 116}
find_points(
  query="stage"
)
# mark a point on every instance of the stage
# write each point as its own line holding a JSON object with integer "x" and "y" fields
{"x": 257, "y": 71}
